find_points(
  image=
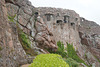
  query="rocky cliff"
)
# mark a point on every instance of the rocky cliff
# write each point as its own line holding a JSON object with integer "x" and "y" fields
{"x": 26, "y": 31}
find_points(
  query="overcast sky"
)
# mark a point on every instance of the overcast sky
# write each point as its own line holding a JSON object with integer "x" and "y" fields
{"x": 89, "y": 9}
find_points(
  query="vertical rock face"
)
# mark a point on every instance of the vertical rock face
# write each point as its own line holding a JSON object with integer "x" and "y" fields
{"x": 90, "y": 36}
{"x": 67, "y": 26}
{"x": 62, "y": 23}
{"x": 11, "y": 53}
{"x": 44, "y": 28}
{"x": 64, "y": 26}
{"x": 44, "y": 37}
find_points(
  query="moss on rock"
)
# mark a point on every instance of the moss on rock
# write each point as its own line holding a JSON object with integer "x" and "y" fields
{"x": 25, "y": 42}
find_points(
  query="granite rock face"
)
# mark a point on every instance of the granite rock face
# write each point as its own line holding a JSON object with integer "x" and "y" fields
{"x": 67, "y": 26}
{"x": 90, "y": 36}
{"x": 62, "y": 23}
{"x": 11, "y": 53}
{"x": 44, "y": 27}
{"x": 44, "y": 37}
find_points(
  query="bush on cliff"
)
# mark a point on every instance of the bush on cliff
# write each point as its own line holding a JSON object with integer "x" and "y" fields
{"x": 49, "y": 60}
{"x": 25, "y": 42}
{"x": 61, "y": 50}
{"x": 72, "y": 53}
{"x": 72, "y": 63}
{"x": 70, "y": 56}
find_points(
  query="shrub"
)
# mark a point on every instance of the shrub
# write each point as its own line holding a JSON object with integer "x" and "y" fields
{"x": 49, "y": 60}
{"x": 72, "y": 63}
{"x": 61, "y": 51}
{"x": 72, "y": 53}
{"x": 60, "y": 46}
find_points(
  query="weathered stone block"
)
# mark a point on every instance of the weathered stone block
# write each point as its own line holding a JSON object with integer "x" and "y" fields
{"x": 23, "y": 14}
{"x": 11, "y": 9}
{"x": 22, "y": 21}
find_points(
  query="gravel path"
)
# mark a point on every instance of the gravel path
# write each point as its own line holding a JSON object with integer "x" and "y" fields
{"x": 26, "y": 65}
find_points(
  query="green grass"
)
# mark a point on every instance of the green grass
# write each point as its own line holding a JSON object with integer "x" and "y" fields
{"x": 11, "y": 18}
{"x": 49, "y": 60}
{"x": 25, "y": 42}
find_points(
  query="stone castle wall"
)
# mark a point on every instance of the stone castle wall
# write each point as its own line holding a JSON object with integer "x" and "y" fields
{"x": 62, "y": 23}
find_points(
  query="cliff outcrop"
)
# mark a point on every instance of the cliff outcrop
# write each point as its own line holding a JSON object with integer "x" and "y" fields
{"x": 26, "y": 31}
{"x": 90, "y": 36}
{"x": 11, "y": 51}
{"x": 68, "y": 26}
